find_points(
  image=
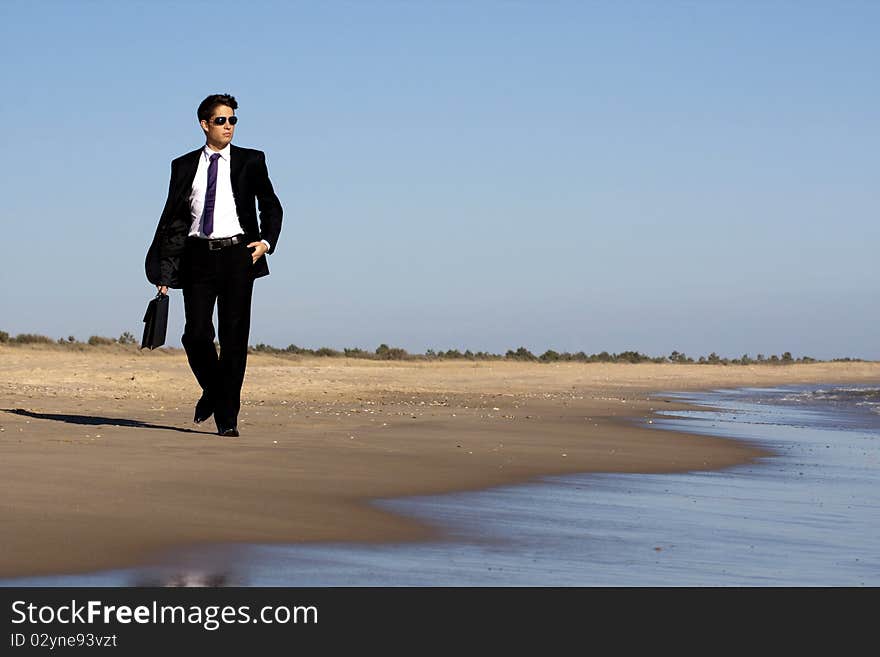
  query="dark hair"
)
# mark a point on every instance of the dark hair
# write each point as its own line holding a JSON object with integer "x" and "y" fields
{"x": 206, "y": 107}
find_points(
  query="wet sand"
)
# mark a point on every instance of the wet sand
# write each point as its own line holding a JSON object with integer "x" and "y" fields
{"x": 102, "y": 467}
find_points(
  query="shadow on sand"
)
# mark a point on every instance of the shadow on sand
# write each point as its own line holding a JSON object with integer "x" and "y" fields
{"x": 94, "y": 420}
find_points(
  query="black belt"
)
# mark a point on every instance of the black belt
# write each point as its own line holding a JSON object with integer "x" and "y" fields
{"x": 216, "y": 245}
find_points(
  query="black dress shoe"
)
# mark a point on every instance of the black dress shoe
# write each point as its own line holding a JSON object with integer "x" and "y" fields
{"x": 227, "y": 432}
{"x": 204, "y": 409}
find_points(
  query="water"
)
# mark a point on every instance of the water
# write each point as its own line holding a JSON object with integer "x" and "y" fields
{"x": 808, "y": 516}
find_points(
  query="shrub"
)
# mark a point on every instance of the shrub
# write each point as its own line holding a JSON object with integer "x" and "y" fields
{"x": 126, "y": 338}
{"x": 550, "y": 356}
{"x": 96, "y": 340}
{"x": 520, "y": 354}
{"x": 4, "y": 336}
{"x": 32, "y": 338}
{"x": 680, "y": 357}
{"x": 631, "y": 357}
{"x": 385, "y": 352}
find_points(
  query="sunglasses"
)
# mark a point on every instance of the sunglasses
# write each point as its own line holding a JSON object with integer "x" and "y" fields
{"x": 220, "y": 120}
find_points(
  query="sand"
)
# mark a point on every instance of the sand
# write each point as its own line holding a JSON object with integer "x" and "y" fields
{"x": 101, "y": 466}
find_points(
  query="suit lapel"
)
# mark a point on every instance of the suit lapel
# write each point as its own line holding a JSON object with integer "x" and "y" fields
{"x": 188, "y": 169}
{"x": 236, "y": 162}
{"x": 185, "y": 175}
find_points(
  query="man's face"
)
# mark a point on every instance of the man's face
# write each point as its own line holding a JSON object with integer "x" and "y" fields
{"x": 219, "y": 135}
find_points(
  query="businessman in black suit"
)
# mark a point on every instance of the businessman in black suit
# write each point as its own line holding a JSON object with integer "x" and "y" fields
{"x": 208, "y": 244}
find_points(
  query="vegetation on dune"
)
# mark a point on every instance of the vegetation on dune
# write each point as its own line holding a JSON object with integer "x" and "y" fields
{"x": 386, "y": 352}
{"x": 35, "y": 338}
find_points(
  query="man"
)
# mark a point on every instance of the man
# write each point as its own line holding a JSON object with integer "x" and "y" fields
{"x": 208, "y": 243}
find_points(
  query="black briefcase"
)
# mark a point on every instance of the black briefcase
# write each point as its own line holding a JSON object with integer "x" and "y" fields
{"x": 155, "y": 322}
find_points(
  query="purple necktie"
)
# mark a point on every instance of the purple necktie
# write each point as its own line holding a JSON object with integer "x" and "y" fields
{"x": 210, "y": 194}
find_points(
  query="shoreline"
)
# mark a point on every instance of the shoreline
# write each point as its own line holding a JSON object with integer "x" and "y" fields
{"x": 102, "y": 470}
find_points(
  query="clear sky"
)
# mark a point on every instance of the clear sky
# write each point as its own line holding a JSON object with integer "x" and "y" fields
{"x": 698, "y": 176}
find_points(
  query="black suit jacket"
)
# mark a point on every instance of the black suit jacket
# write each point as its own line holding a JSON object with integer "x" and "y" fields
{"x": 250, "y": 184}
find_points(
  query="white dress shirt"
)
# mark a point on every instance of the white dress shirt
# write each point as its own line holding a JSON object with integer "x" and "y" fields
{"x": 226, "y": 222}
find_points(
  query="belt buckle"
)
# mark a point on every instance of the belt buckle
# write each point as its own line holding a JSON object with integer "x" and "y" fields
{"x": 215, "y": 245}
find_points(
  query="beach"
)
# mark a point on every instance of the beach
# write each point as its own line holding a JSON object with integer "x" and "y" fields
{"x": 102, "y": 467}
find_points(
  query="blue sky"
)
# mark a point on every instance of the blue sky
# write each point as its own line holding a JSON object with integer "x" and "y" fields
{"x": 570, "y": 175}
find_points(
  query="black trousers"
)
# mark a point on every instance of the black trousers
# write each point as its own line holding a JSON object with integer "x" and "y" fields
{"x": 222, "y": 276}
